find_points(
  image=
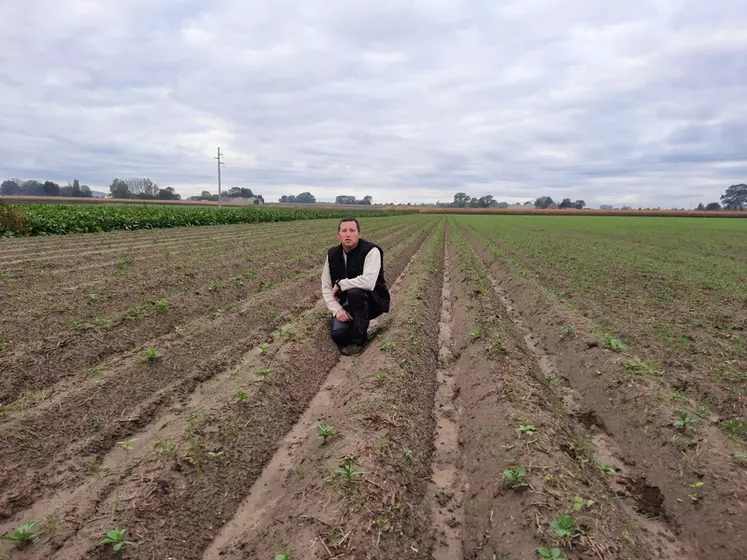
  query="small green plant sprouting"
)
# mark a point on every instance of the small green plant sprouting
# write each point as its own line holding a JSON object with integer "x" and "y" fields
{"x": 565, "y": 331}
{"x": 215, "y": 286}
{"x": 271, "y": 315}
{"x": 283, "y": 556}
{"x": 152, "y": 354}
{"x": 683, "y": 420}
{"x": 264, "y": 373}
{"x": 497, "y": 348}
{"x": 551, "y": 554}
{"x": 387, "y": 346}
{"x": 127, "y": 444}
{"x": 579, "y": 503}
{"x": 168, "y": 449}
{"x": 606, "y": 469}
{"x": 263, "y": 348}
{"x": 565, "y": 526}
{"x": 527, "y": 429}
{"x": 23, "y": 534}
{"x": 116, "y": 538}
{"x": 515, "y": 478}
{"x": 408, "y": 453}
{"x": 3, "y": 346}
{"x": 382, "y": 375}
{"x": 735, "y": 427}
{"x": 475, "y": 333}
{"x": 325, "y": 432}
{"x": 161, "y": 305}
{"x": 347, "y": 470}
{"x": 613, "y": 343}
{"x": 240, "y": 396}
{"x": 739, "y": 457}
{"x": 133, "y": 312}
{"x": 288, "y": 334}
{"x": 215, "y": 454}
{"x": 251, "y": 273}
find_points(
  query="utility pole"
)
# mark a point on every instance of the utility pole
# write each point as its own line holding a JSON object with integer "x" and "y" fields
{"x": 219, "y": 164}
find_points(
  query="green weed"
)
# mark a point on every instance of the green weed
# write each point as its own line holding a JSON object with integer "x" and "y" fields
{"x": 565, "y": 331}
{"x": 215, "y": 286}
{"x": 551, "y": 554}
{"x": 613, "y": 343}
{"x": 288, "y": 334}
{"x": 283, "y": 556}
{"x": 387, "y": 346}
{"x": 23, "y": 534}
{"x": 264, "y": 373}
{"x": 347, "y": 470}
{"x": 251, "y": 273}
{"x": 579, "y": 503}
{"x": 133, "y": 312}
{"x": 515, "y": 478}
{"x": 240, "y": 396}
{"x": 606, "y": 469}
{"x": 3, "y": 346}
{"x": 116, "y": 538}
{"x": 152, "y": 355}
{"x": 161, "y": 305}
{"x": 168, "y": 450}
{"x": 735, "y": 427}
{"x": 475, "y": 333}
{"x": 527, "y": 429}
{"x": 263, "y": 348}
{"x": 565, "y": 526}
{"x": 496, "y": 348}
{"x": 127, "y": 444}
{"x": 271, "y": 315}
{"x": 683, "y": 420}
{"x": 408, "y": 453}
{"x": 325, "y": 432}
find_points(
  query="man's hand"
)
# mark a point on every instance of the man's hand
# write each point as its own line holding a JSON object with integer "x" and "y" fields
{"x": 343, "y": 316}
{"x": 336, "y": 291}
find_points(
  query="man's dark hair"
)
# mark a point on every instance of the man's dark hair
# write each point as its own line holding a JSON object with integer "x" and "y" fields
{"x": 349, "y": 219}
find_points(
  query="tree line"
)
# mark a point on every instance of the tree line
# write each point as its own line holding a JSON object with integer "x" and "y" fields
{"x": 18, "y": 187}
{"x": 230, "y": 194}
{"x": 308, "y": 198}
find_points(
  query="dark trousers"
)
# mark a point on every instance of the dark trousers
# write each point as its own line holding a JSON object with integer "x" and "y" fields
{"x": 362, "y": 306}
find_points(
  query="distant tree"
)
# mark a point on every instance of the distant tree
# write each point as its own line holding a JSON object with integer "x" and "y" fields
{"x": 368, "y": 200}
{"x": 344, "y": 199}
{"x": 502, "y": 205}
{"x": 168, "y": 194}
{"x": 713, "y": 206}
{"x": 306, "y": 197}
{"x": 259, "y": 199}
{"x": 566, "y": 203}
{"x": 700, "y": 207}
{"x": 75, "y": 188}
{"x": 579, "y": 204}
{"x": 85, "y": 191}
{"x": 51, "y": 189}
{"x": 543, "y": 202}
{"x": 486, "y": 201}
{"x": 119, "y": 189}
{"x": 10, "y": 188}
{"x": 32, "y": 188}
{"x": 735, "y": 197}
{"x": 461, "y": 200}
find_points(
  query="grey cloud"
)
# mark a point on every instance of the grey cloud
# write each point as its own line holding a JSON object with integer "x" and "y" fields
{"x": 404, "y": 101}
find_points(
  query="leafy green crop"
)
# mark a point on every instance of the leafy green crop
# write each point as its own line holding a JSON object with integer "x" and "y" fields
{"x": 60, "y": 219}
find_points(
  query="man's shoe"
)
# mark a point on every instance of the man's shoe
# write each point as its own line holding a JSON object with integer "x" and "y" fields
{"x": 351, "y": 349}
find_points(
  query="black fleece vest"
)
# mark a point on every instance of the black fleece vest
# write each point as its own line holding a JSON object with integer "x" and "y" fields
{"x": 356, "y": 260}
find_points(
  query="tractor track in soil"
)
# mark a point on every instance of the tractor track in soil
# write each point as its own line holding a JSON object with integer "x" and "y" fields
{"x": 164, "y": 404}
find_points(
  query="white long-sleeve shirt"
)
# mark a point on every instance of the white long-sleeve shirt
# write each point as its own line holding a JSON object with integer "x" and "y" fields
{"x": 366, "y": 281}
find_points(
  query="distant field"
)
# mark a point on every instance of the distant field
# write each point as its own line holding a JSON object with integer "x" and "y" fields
{"x": 56, "y": 219}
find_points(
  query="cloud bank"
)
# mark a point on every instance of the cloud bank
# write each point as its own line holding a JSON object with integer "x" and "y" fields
{"x": 639, "y": 103}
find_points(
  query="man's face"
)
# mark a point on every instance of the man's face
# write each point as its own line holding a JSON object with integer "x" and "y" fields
{"x": 348, "y": 235}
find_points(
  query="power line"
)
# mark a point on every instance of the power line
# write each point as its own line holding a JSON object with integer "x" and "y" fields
{"x": 219, "y": 164}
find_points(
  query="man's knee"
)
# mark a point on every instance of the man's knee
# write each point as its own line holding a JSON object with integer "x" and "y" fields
{"x": 340, "y": 332}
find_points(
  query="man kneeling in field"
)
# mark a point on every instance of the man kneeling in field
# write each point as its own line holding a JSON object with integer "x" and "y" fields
{"x": 353, "y": 286}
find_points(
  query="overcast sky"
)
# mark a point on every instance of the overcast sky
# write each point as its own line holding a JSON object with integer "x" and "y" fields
{"x": 641, "y": 102}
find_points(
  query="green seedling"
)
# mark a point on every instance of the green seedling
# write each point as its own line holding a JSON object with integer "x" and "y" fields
{"x": 551, "y": 554}
{"x": 23, "y": 534}
{"x": 288, "y": 334}
{"x": 735, "y": 427}
{"x": 251, "y": 273}
{"x": 215, "y": 286}
{"x": 215, "y": 454}
{"x": 475, "y": 333}
{"x": 387, "y": 346}
{"x": 694, "y": 496}
{"x": 264, "y": 373}
{"x": 152, "y": 354}
{"x": 527, "y": 429}
{"x": 271, "y": 315}
{"x": 697, "y": 485}
{"x": 565, "y": 526}
{"x": 606, "y": 469}
{"x": 347, "y": 469}
{"x": 266, "y": 286}
{"x": 497, "y": 347}
{"x": 739, "y": 457}
{"x": 381, "y": 375}
{"x": 683, "y": 420}
{"x": 3, "y": 346}
{"x": 565, "y": 331}
{"x": 116, "y": 538}
{"x": 133, "y": 312}
{"x": 515, "y": 478}
{"x": 408, "y": 453}
{"x": 283, "y": 556}
{"x": 579, "y": 503}
{"x": 263, "y": 348}
{"x": 325, "y": 432}
{"x": 161, "y": 305}
{"x": 703, "y": 411}
{"x": 127, "y": 444}
{"x": 4, "y": 276}
{"x": 240, "y": 396}
{"x": 613, "y": 343}
{"x": 168, "y": 449}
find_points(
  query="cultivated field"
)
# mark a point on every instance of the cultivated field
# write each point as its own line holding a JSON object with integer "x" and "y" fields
{"x": 544, "y": 387}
